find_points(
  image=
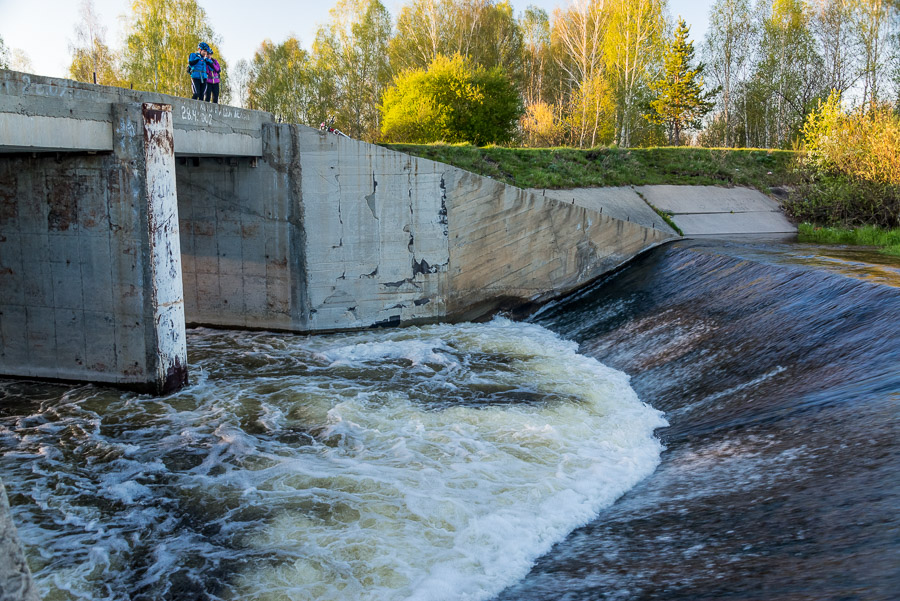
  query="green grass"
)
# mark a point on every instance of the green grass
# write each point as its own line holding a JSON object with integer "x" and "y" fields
{"x": 558, "y": 168}
{"x": 887, "y": 240}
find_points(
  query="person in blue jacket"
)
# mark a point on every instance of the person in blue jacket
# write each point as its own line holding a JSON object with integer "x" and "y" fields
{"x": 197, "y": 65}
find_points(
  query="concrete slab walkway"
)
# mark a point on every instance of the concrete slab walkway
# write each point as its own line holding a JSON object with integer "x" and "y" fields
{"x": 711, "y": 210}
{"x": 618, "y": 202}
{"x": 696, "y": 210}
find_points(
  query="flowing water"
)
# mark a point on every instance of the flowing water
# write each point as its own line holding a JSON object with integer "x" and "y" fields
{"x": 714, "y": 421}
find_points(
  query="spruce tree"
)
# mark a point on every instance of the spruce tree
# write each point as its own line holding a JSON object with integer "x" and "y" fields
{"x": 680, "y": 101}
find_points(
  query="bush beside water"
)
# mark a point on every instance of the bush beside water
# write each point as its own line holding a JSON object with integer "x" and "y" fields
{"x": 850, "y": 174}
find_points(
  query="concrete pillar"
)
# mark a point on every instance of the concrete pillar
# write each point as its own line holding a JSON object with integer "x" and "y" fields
{"x": 169, "y": 355}
{"x": 15, "y": 577}
{"x": 90, "y": 262}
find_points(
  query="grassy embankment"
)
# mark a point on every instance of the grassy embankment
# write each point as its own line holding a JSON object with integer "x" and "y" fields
{"x": 887, "y": 240}
{"x": 559, "y": 168}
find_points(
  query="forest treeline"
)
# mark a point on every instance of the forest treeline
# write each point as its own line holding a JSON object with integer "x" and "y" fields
{"x": 586, "y": 75}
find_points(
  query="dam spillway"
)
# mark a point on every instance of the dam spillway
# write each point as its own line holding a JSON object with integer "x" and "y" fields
{"x": 452, "y": 461}
{"x": 233, "y": 220}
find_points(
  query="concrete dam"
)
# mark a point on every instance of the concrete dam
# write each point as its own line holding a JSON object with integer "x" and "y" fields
{"x": 126, "y": 216}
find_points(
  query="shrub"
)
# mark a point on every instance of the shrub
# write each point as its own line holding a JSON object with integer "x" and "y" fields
{"x": 851, "y": 171}
{"x": 864, "y": 144}
{"x": 451, "y": 101}
{"x": 540, "y": 126}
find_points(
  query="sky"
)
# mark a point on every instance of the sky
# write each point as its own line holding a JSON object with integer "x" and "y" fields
{"x": 45, "y": 29}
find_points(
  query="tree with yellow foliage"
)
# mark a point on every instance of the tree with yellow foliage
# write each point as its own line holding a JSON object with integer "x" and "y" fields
{"x": 92, "y": 60}
{"x": 162, "y": 33}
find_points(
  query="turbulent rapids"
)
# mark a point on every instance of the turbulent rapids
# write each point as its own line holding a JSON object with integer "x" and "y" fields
{"x": 751, "y": 451}
{"x": 423, "y": 463}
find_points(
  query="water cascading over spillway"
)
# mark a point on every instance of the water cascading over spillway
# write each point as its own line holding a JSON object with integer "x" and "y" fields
{"x": 445, "y": 462}
{"x": 778, "y": 368}
{"x": 423, "y": 463}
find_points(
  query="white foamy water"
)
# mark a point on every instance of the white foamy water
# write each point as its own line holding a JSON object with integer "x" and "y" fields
{"x": 419, "y": 463}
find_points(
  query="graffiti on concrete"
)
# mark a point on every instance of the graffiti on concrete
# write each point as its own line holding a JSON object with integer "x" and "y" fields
{"x": 208, "y": 114}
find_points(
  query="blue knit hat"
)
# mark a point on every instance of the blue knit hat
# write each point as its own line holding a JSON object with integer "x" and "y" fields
{"x": 204, "y": 46}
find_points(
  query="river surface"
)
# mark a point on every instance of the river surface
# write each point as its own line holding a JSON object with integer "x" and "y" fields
{"x": 715, "y": 421}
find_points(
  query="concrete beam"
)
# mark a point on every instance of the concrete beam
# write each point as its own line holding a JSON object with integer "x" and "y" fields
{"x": 199, "y": 143}
{"x": 40, "y": 114}
{"x": 35, "y": 133}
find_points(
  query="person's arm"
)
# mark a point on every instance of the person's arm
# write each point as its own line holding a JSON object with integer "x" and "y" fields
{"x": 193, "y": 58}
{"x": 215, "y": 66}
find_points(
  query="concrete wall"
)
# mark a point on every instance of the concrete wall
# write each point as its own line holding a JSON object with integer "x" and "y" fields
{"x": 395, "y": 239}
{"x": 240, "y": 238}
{"x": 305, "y": 232}
{"x": 327, "y": 233}
{"x": 507, "y": 243}
{"x": 90, "y": 281}
{"x": 376, "y": 234}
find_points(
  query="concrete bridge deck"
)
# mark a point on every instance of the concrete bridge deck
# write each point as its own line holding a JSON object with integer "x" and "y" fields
{"x": 43, "y": 114}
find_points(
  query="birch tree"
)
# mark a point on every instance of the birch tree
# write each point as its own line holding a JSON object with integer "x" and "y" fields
{"x": 634, "y": 47}
{"x": 579, "y": 33}
{"x": 353, "y": 48}
{"x": 788, "y": 80}
{"x": 161, "y": 35}
{"x": 240, "y": 82}
{"x": 486, "y": 32}
{"x": 482, "y": 31}
{"x": 535, "y": 27}
{"x": 20, "y": 61}
{"x": 92, "y": 60}
{"x": 873, "y": 21}
{"x": 4, "y": 55}
{"x": 727, "y": 52}
{"x": 285, "y": 81}
{"x": 419, "y": 34}
{"x": 895, "y": 56}
{"x": 832, "y": 24}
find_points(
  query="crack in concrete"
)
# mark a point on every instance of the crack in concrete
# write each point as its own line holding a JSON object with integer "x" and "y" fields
{"x": 422, "y": 267}
{"x": 399, "y": 283}
{"x": 337, "y": 179}
{"x": 370, "y": 198}
{"x": 442, "y": 213}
